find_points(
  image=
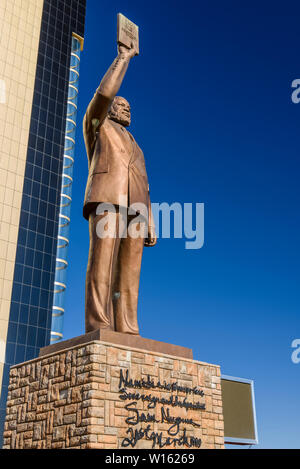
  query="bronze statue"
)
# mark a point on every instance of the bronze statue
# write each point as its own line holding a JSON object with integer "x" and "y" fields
{"x": 116, "y": 172}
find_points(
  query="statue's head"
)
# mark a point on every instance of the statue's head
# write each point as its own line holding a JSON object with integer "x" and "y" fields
{"x": 120, "y": 111}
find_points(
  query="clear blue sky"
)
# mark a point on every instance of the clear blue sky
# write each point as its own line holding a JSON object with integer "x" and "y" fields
{"x": 212, "y": 111}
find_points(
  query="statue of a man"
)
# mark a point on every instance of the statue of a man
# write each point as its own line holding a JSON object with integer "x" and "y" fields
{"x": 117, "y": 176}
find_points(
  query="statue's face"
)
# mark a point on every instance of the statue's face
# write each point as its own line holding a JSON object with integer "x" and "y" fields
{"x": 120, "y": 111}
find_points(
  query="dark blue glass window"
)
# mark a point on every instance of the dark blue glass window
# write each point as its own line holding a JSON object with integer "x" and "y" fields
{"x": 3, "y": 396}
{"x": 39, "y": 246}
{"x": 14, "y": 311}
{"x": 35, "y": 296}
{"x": 22, "y": 334}
{"x": 30, "y": 353}
{"x": 24, "y": 219}
{"x": 20, "y": 354}
{"x": 31, "y": 337}
{"x": 27, "y": 278}
{"x": 26, "y": 290}
{"x": 33, "y": 316}
{"x": 12, "y": 332}
{"x": 20, "y": 254}
{"x": 37, "y": 278}
{"x": 18, "y": 275}
{"x": 16, "y": 292}
{"x": 43, "y": 317}
{"x": 34, "y": 205}
{"x": 24, "y": 314}
{"x": 41, "y": 337}
{"x": 44, "y": 298}
{"x": 26, "y": 200}
{"x": 29, "y": 255}
{"x": 38, "y": 258}
{"x": 10, "y": 353}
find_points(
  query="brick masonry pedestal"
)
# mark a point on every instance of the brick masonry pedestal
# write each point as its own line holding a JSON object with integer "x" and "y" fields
{"x": 72, "y": 399}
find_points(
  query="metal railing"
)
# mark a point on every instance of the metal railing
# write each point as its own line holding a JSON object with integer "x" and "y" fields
{"x": 66, "y": 197}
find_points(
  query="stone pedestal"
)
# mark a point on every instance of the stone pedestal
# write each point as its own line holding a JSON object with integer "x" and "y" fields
{"x": 104, "y": 395}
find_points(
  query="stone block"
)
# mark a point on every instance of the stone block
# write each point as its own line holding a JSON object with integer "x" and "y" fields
{"x": 111, "y": 395}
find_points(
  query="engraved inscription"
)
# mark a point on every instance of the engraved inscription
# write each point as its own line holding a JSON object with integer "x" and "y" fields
{"x": 140, "y": 422}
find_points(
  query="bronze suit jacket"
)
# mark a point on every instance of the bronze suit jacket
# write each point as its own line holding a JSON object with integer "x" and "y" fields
{"x": 116, "y": 162}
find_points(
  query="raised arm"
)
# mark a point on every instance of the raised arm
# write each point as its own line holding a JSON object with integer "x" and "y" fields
{"x": 113, "y": 78}
{"x": 107, "y": 90}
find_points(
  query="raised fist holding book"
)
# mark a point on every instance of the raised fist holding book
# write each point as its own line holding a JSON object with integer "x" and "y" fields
{"x": 127, "y": 52}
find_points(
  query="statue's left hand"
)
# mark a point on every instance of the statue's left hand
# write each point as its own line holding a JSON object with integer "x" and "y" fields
{"x": 126, "y": 52}
{"x": 151, "y": 240}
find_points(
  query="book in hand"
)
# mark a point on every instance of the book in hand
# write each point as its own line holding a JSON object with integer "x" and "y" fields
{"x": 128, "y": 32}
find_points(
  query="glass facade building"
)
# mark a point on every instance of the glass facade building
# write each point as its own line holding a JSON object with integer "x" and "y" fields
{"x": 28, "y": 292}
